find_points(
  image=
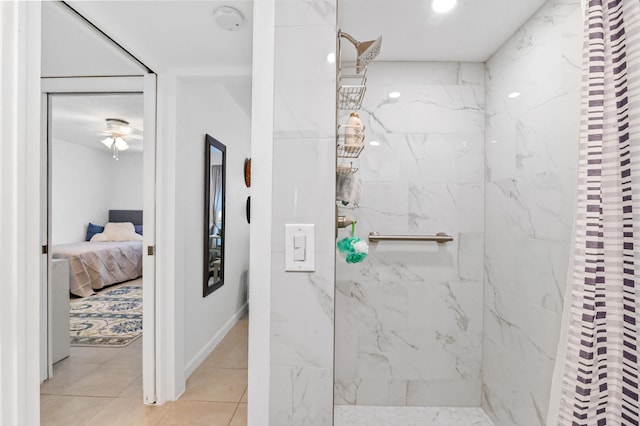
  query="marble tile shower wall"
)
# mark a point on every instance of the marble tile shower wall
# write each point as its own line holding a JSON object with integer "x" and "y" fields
{"x": 408, "y": 322}
{"x": 302, "y": 304}
{"x": 530, "y": 158}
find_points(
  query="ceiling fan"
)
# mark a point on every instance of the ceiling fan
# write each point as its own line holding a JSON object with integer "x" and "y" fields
{"x": 118, "y": 133}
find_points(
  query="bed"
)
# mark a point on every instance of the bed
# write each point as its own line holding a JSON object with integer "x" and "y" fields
{"x": 95, "y": 265}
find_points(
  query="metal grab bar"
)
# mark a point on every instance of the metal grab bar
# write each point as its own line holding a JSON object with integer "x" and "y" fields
{"x": 440, "y": 237}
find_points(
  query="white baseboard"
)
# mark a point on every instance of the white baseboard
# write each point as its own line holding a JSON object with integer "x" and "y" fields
{"x": 211, "y": 345}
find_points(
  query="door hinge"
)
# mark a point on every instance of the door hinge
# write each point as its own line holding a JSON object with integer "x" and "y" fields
{"x": 150, "y": 250}
{"x": 45, "y": 249}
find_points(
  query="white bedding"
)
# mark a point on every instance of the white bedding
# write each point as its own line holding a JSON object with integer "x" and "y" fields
{"x": 94, "y": 265}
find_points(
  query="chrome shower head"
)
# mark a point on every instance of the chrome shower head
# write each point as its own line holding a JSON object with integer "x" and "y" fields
{"x": 367, "y": 50}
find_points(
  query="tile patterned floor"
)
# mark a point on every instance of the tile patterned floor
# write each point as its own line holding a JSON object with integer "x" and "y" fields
{"x": 103, "y": 387}
{"x": 348, "y": 415}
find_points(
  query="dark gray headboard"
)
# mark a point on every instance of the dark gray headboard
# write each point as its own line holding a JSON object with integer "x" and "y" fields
{"x": 133, "y": 216}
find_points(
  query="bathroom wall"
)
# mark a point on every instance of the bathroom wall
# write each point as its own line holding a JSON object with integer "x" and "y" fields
{"x": 530, "y": 158}
{"x": 302, "y": 309}
{"x": 409, "y": 317}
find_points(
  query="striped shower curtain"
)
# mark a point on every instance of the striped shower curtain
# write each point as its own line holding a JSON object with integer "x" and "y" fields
{"x": 601, "y": 371}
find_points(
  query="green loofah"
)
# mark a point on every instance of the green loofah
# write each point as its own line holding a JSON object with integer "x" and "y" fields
{"x": 356, "y": 257}
{"x": 344, "y": 245}
{"x": 354, "y": 249}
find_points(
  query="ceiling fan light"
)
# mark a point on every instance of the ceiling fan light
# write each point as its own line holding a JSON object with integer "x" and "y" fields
{"x": 121, "y": 144}
{"x": 107, "y": 142}
{"x": 443, "y": 6}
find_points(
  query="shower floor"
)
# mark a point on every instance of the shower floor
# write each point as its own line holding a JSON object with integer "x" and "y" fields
{"x": 359, "y": 415}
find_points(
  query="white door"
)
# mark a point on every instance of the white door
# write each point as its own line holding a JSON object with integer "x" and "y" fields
{"x": 46, "y": 355}
{"x": 145, "y": 85}
{"x": 149, "y": 242}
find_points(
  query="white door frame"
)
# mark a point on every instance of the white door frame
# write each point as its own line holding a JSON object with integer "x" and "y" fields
{"x": 19, "y": 218}
{"x": 145, "y": 85}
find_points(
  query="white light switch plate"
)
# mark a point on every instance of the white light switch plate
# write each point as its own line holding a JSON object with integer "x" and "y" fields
{"x": 308, "y": 252}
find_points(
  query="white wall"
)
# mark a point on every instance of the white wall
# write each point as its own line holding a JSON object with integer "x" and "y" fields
{"x": 86, "y": 183}
{"x": 126, "y": 181}
{"x": 531, "y": 155}
{"x": 409, "y": 317}
{"x": 20, "y": 225}
{"x": 262, "y": 188}
{"x": 204, "y": 106}
{"x": 302, "y": 310}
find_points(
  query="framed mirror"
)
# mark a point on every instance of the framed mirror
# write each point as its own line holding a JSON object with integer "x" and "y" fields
{"x": 214, "y": 217}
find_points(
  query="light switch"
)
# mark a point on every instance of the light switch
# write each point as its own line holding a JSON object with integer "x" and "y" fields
{"x": 300, "y": 247}
{"x": 299, "y": 241}
{"x": 298, "y": 254}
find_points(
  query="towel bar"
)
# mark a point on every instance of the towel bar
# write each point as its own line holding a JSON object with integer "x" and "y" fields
{"x": 440, "y": 237}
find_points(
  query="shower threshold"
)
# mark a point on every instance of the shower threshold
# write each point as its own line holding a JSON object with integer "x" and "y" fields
{"x": 360, "y": 415}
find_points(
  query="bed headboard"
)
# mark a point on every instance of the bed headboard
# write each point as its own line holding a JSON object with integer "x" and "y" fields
{"x": 133, "y": 216}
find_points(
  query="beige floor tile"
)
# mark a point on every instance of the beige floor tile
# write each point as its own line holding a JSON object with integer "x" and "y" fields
{"x": 244, "y": 397}
{"x": 184, "y": 412}
{"x": 135, "y": 345}
{"x": 123, "y": 412}
{"x": 232, "y": 352}
{"x": 69, "y": 410}
{"x": 223, "y": 385}
{"x": 227, "y": 355}
{"x": 65, "y": 373}
{"x": 240, "y": 416}
{"x": 134, "y": 391}
{"x": 107, "y": 380}
{"x": 210, "y": 398}
{"x": 91, "y": 354}
{"x": 131, "y": 355}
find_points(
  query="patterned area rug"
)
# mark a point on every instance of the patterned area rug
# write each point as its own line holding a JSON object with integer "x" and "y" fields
{"x": 112, "y": 317}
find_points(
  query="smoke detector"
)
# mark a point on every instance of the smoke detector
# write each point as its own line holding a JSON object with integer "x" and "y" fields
{"x": 228, "y": 18}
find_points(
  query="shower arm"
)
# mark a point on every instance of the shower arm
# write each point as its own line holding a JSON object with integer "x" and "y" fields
{"x": 350, "y": 38}
{"x": 353, "y": 41}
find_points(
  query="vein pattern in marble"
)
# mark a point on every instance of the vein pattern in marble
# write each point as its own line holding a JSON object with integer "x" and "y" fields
{"x": 410, "y": 416}
{"x": 531, "y": 153}
{"x": 409, "y": 318}
{"x": 302, "y": 304}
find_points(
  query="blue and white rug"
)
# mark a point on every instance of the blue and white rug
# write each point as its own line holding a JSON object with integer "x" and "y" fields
{"x": 112, "y": 317}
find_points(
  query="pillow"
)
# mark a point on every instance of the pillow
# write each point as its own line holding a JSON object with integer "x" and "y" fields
{"x": 138, "y": 229}
{"x": 93, "y": 229}
{"x": 118, "y": 231}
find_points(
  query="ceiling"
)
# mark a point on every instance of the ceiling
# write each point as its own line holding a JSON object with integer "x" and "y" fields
{"x": 80, "y": 119}
{"x": 182, "y": 36}
{"x": 72, "y": 48}
{"x": 169, "y": 35}
{"x": 411, "y": 31}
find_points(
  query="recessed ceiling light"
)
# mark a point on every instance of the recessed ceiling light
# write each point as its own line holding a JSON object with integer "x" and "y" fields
{"x": 443, "y": 6}
{"x": 513, "y": 95}
{"x": 331, "y": 58}
{"x": 394, "y": 95}
{"x": 374, "y": 143}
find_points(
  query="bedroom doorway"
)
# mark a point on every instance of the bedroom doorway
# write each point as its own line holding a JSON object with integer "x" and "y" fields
{"x": 100, "y": 160}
